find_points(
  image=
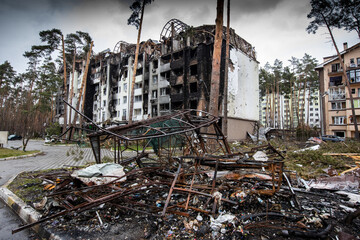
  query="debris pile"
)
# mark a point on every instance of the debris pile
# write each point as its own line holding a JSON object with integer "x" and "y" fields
{"x": 189, "y": 185}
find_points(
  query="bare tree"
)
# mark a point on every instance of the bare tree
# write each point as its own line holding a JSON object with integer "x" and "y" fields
{"x": 138, "y": 9}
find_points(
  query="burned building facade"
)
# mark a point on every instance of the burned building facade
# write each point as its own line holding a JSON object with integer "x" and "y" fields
{"x": 173, "y": 74}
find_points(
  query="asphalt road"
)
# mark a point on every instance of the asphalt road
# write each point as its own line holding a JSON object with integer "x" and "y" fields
{"x": 53, "y": 157}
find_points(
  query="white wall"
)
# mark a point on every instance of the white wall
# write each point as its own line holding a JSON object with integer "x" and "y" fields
{"x": 243, "y": 93}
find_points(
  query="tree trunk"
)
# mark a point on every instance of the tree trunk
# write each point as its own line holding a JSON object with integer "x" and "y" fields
{"x": 135, "y": 65}
{"x": 291, "y": 124}
{"x": 298, "y": 104}
{"x": 215, "y": 72}
{"x": 308, "y": 107}
{"x": 65, "y": 85}
{"x": 278, "y": 104}
{"x": 303, "y": 107}
{"x": 273, "y": 106}
{"x": 267, "y": 108}
{"x": 357, "y": 137}
{"x": 225, "y": 122}
{"x": 84, "y": 89}
{"x": 82, "y": 92}
{"x": 72, "y": 88}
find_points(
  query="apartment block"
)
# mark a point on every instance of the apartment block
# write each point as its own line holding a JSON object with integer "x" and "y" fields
{"x": 336, "y": 106}
{"x": 292, "y": 110}
{"x": 173, "y": 74}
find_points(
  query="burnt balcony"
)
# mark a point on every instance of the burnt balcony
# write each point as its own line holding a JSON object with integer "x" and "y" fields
{"x": 177, "y": 97}
{"x": 337, "y": 96}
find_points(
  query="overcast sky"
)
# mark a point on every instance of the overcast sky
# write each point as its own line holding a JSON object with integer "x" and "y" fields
{"x": 276, "y": 28}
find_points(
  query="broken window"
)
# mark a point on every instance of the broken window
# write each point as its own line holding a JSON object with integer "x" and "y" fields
{"x": 339, "y": 120}
{"x": 335, "y": 81}
{"x": 178, "y": 88}
{"x": 104, "y": 90}
{"x": 351, "y": 76}
{"x": 177, "y": 55}
{"x": 177, "y": 72}
{"x": 154, "y": 112}
{"x": 193, "y": 104}
{"x": 154, "y": 94}
{"x": 337, "y": 94}
{"x": 155, "y": 79}
{"x": 138, "y": 98}
{"x": 139, "y": 71}
{"x": 138, "y": 85}
{"x": 125, "y": 74}
{"x": 193, "y": 87}
{"x": 193, "y": 53}
{"x": 352, "y": 62}
{"x": 338, "y": 105}
{"x": 335, "y": 67}
{"x": 155, "y": 64}
{"x": 165, "y": 59}
{"x": 193, "y": 70}
{"x": 164, "y": 91}
{"x": 115, "y": 90}
{"x": 165, "y": 106}
{"x": 137, "y": 111}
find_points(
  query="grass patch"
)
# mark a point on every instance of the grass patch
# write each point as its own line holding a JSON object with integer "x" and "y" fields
{"x": 6, "y": 152}
{"x": 27, "y": 187}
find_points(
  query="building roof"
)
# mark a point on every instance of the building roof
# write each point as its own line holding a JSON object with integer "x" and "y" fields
{"x": 335, "y": 57}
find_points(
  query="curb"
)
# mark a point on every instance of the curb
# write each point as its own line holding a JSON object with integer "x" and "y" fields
{"x": 26, "y": 213}
{"x": 22, "y": 156}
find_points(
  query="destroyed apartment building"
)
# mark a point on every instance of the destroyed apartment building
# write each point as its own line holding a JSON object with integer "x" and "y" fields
{"x": 173, "y": 74}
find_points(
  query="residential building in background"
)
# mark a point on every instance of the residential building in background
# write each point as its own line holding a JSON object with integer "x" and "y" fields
{"x": 172, "y": 74}
{"x": 336, "y": 107}
{"x": 291, "y": 110}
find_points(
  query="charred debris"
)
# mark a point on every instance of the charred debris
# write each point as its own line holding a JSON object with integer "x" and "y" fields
{"x": 183, "y": 182}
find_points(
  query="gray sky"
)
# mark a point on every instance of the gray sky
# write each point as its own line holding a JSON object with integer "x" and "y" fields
{"x": 276, "y": 28}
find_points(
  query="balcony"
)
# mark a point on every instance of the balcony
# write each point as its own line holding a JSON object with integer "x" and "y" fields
{"x": 178, "y": 97}
{"x": 335, "y": 72}
{"x": 337, "y": 96}
{"x": 335, "y": 81}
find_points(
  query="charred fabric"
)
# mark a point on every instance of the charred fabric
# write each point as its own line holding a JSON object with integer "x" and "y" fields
{"x": 182, "y": 168}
